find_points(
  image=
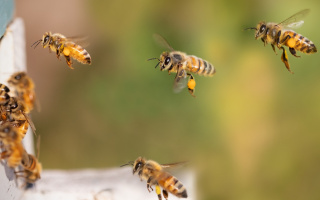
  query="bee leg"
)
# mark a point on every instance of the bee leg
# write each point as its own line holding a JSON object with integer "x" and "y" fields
{"x": 165, "y": 193}
{"x": 69, "y": 62}
{"x": 158, "y": 191}
{"x": 283, "y": 41}
{"x": 191, "y": 85}
{"x": 264, "y": 42}
{"x": 274, "y": 49}
{"x": 293, "y": 52}
{"x": 284, "y": 58}
{"x": 149, "y": 185}
{"x": 58, "y": 54}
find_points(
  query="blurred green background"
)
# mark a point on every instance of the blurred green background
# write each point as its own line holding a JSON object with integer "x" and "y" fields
{"x": 252, "y": 132}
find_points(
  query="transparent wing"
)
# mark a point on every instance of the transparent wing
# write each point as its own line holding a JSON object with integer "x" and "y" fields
{"x": 79, "y": 40}
{"x": 295, "y": 21}
{"x": 180, "y": 80}
{"x": 171, "y": 165}
{"x": 33, "y": 128}
{"x": 162, "y": 42}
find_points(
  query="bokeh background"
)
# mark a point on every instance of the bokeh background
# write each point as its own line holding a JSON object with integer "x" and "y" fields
{"x": 252, "y": 132}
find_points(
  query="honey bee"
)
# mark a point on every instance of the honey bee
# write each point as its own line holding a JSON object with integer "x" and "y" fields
{"x": 182, "y": 64}
{"x": 24, "y": 87}
{"x": 16, "y": 112}
{"x": 279, "y": 35}
{"x": 11, "y": 147}
{"x": 154, "y": 174}
{"x": 62, "y": 45}
{"x": 31, "y": 166}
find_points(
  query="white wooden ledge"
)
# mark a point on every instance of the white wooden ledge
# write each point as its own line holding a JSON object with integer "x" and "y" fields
{"x": 90, "y": 184}
{"x": 12, "y": 59}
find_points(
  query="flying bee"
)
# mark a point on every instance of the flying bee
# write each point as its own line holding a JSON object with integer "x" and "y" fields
{"x": 62, "y": 45}
{"x": 154, "y": 174}
{"x": 31, "y": 166}
{"x": 11, "y": 147}
{"x": 24, "y": 88}
{"x": 279, "y": 35}
{"x": 182, "y": 64}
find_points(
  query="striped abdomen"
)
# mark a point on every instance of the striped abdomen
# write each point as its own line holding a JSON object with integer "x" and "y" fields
{"x": 172, "y": 185}
{"x": 77, "y": 52}
{"x": 199, "y": 66}
{"x": 299, "y": 42}
{"x": 29, "y": 162}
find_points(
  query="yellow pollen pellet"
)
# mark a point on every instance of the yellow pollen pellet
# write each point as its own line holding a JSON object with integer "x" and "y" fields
{"x": 158, "y": 189}
{"x": 191, "y": 84}
{"x": 66, "y": 51}
{"x": 291, "y": 43}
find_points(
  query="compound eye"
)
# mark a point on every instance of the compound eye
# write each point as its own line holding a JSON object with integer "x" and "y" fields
{"x": 167, "y": 61}
{"x": 45, "y": 40}
{"x": 262, "y": 28}
{"x": 18, "y": 77}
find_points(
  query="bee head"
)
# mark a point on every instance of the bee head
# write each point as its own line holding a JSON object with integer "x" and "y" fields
{"x": 7, "y": 130}
{"x": 138, "y": 164}
{"x": 46, "y": 38}
{"x": 16, "y": 78}
{"x": 165, "y": 61}
{"x": 261, "y": 30}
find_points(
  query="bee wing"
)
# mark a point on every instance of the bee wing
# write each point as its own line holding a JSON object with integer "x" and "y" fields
{"x": 33, "y": 128}
{"x": 80, "y": 40}
{"x": 171, "y": 165}
{"x": 180, "y": 80}
{"x": 295, "y": 21}
{"x": 162, "y": 42}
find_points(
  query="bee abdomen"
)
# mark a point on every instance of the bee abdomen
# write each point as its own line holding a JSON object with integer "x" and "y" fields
{"x": 174, "y": 186}
{"x": 200, "y": 66}
{"x": 80, "y": 54}
{"x": 300, "y": 43}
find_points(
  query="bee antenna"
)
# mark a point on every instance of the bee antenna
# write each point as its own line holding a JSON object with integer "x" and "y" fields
{"x": 251, "y": 28}
{"x": 155, "y": 59}
{"x": 38, "y": 42}
{"x": 129, "y": 163}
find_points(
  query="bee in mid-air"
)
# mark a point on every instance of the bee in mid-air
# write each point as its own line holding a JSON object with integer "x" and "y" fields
{"x": 24, "y": 88}
{"x": 182, "y": 64}
{"x": 154, "y": 174}
{"x": 62, "y": 45}
{"x": 279, "y": 35}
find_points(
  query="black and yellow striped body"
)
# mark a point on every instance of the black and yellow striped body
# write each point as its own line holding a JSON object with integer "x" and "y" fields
{"x": 171, "y": 184}
{"x": 298, "y": 42}
{"x": 199, "y": 66}
{"x": 76, "y": 52}
{"x": 4, "y": 96}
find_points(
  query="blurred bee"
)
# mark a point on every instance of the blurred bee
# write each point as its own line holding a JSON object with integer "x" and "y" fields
{"x": 279, "y": 35}
{"x": 31, "y": 166}
{"x": 11, "y": 146}
{"x": 154, "y": 174}
{"x": 61, "y": 45}
{"x": 4, "y": 96}
{"x": 182, "y": 64}
{"x": 24, "y": 88}
{"x": 16, "y": 111}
